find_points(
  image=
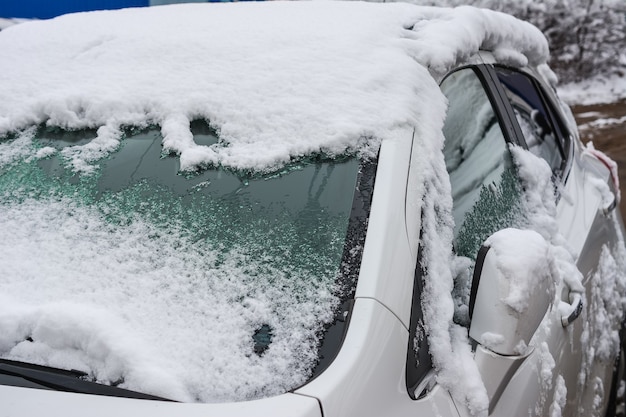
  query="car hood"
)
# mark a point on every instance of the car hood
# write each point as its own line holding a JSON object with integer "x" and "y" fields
{"x": 18, "y": 401}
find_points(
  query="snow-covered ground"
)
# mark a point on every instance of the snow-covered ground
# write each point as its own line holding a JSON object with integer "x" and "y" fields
{"x": 597, "y": 90}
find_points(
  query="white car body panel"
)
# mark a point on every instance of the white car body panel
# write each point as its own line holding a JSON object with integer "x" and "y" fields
{"x": 374, "y": 350}
{"x": 584, "y": 205}
{"x": 388, "y": 264}
{"x": 17, "y": 401}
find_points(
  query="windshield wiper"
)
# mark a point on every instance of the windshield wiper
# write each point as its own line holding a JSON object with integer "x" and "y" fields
{"x": 62, "y": 380}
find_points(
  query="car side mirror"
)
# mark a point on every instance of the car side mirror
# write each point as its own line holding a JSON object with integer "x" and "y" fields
{"x": 512, "y": 289}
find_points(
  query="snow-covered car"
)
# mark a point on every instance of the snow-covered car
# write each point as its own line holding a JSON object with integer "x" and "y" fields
{"x": 301, "y": 209}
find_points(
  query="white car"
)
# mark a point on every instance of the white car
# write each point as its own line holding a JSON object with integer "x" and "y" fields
{"x": 301, "y": 209}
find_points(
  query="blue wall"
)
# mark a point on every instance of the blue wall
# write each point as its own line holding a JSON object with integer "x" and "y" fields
{"x": 44, "y": 9}
{"x": 160, "y": 2}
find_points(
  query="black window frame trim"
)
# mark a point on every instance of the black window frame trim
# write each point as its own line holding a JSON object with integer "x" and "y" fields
{"x": 564, "y": 142}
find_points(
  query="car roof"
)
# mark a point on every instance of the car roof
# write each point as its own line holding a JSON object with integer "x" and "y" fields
{"x": 277, "y": 80}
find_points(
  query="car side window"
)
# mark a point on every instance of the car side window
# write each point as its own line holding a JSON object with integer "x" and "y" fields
{"x": 485, "y": 194}
{"x": 482, "y": 177}
{"x": 536, "y": 119}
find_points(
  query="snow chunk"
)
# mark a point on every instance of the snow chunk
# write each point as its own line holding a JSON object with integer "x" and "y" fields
{"x": 490, "y": 340}
{"x": 81, "y": 156}
{"x": 525, "y": 259}
{"x": 598, "y": 396}
{"x": 459, "y": 33}
{"x": 600, "y": 337}
{"x": 45, "y": 152}
{"x": 19, "y": 148}
{"x": 539, "y": 201}
{"x": 79, "y": 336}
{"x": 276, "y": 80}
{"x": 546, "y": 367}
{"x": 560, "y": 397}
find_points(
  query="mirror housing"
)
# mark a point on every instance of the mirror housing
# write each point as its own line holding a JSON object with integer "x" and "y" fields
{"x": 512, "y": 289}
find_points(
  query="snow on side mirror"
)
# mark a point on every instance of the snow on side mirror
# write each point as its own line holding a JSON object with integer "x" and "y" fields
{"x": 512, "y": 289}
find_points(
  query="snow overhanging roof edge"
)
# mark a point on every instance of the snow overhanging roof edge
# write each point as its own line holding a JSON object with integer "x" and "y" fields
{"x": 277, "y": 80}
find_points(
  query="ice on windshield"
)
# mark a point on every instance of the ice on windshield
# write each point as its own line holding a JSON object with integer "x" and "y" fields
{"x": 206, "y": 287}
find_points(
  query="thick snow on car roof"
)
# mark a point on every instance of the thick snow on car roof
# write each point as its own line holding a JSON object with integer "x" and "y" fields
{"x": 277, "y": 80}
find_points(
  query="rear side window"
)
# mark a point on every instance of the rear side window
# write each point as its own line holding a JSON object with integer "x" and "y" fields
{"x": 544, "y": 136}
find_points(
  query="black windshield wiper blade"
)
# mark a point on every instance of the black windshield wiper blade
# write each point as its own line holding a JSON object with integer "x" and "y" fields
{"x": 66, "y": 380}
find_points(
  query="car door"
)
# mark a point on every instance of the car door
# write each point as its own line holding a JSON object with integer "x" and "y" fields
{"x": 589, "y": 227}
{"x": 490, "y": 108}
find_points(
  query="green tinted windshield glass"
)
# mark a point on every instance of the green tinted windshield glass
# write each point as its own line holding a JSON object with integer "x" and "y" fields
{"x": 207, "y": 286}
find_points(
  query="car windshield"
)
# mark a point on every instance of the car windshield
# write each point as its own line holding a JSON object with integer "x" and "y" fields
{"x": 207, "y": 286}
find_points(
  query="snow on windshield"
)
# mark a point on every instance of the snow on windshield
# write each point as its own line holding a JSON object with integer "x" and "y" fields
{"x": 277, "y": 80}
{"x": 164, "y": 315}
{"x": 208, "y": 287}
